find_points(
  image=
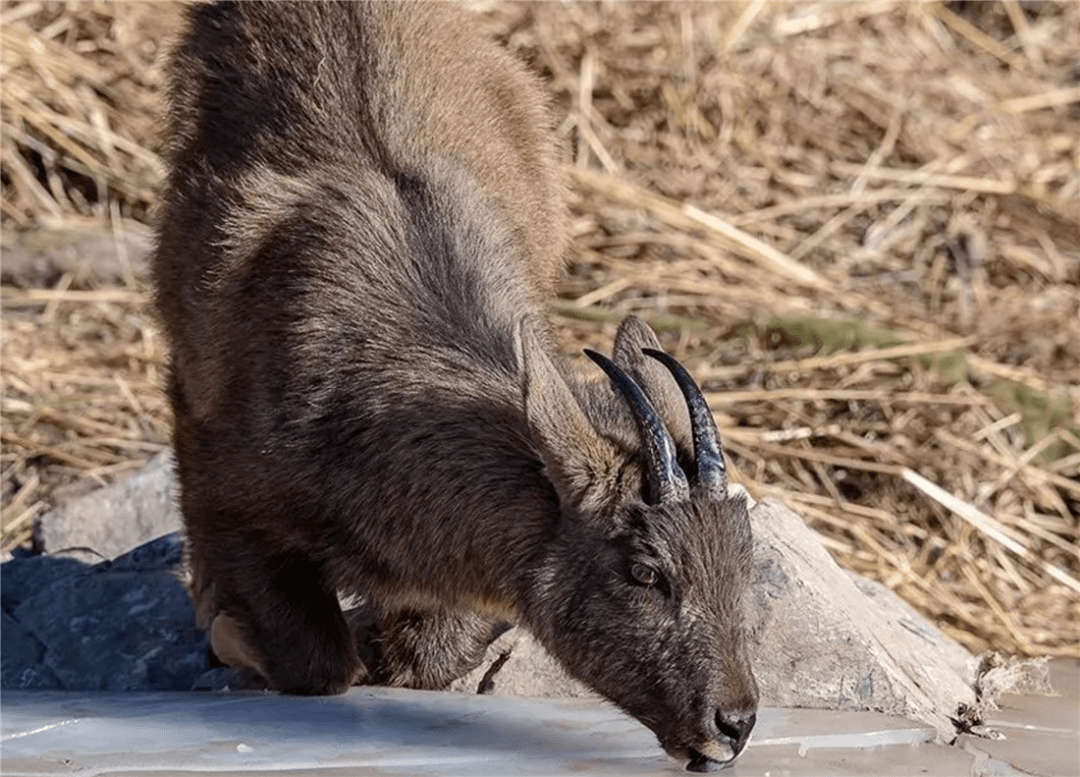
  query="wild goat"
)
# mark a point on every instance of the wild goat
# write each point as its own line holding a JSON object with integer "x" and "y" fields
{"x": 359, "y": 237}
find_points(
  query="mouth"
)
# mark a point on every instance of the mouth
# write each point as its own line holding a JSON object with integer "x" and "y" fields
{"x": 699, "y": 762}
{"x": 711, "y": 757}
{"x": 710, "y": 750}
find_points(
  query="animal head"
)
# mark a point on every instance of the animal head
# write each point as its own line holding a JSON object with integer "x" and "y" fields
{"x": 639, "y": 589}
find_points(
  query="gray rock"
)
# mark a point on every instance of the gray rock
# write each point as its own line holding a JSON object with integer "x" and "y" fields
{"x": 517, "y": 665}
{"x": 113, "y": 520}
{"x": 822, "y": 641}
{"x": 899, "y": 612}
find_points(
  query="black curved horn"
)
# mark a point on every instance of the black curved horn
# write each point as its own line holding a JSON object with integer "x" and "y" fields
{"x": 708, "y": 453}
{"x": 667, "y": 483}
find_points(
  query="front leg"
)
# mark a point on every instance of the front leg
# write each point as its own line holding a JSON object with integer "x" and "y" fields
{"x": 429, "y": 649}
{"x": 273, "y": 613}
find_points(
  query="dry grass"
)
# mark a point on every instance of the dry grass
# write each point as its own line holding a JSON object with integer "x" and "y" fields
{"x": 857, "y": 223}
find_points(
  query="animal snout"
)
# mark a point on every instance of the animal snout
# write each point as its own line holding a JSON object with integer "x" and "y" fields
{"x": 732, "y": 734}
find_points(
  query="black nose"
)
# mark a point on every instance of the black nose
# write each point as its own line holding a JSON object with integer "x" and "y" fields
{"x": 735, "y": 729}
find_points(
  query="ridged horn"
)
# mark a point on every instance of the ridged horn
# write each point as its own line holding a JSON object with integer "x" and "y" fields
{"x": 708, "y": 453}
{"x": 667, "y": 482}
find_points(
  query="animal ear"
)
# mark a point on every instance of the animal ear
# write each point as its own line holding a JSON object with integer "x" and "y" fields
{"x": 632, "y": 337}
{"x": 578, "y": 461}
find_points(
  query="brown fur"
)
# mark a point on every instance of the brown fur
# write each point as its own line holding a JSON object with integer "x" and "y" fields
{"x": 357, "y": 242}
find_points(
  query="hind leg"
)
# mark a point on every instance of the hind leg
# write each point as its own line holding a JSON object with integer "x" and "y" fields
{"x": 273, "y": 613}
{"x": 429, "y": 649}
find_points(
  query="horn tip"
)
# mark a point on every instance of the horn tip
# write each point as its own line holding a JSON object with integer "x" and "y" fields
{"x": 661, "y": 356}
{"x": 597, "y": 357}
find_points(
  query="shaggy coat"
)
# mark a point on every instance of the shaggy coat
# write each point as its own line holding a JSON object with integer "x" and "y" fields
{"x": 358, "y": 240}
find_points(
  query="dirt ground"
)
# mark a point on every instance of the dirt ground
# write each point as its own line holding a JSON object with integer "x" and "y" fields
{"x": 858, "y": 224}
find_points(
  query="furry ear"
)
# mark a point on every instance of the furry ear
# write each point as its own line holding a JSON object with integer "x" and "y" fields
{"x": 632, "y": 337}
{"x": 579, "y": 462}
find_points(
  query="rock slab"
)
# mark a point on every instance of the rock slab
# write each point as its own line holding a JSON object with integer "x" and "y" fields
{"x": 825, "y": 638}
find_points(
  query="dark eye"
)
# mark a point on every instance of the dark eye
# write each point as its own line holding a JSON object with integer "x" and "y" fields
{"x": 644, "y": 574}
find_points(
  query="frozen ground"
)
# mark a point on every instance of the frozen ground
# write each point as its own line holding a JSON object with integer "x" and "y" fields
{"x": 394, "y": 732}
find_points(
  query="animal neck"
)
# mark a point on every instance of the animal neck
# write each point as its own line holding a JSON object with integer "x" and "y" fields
{"x": 450, "y": 491}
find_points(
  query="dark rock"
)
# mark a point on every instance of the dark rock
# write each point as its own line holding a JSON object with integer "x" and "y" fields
{"x": 117, "y": 630}
{"x": 20, "y": 658}
{"x": 125, "y": 624}
{"x": 24, "y": 576}
{"x": 165, "y": 552}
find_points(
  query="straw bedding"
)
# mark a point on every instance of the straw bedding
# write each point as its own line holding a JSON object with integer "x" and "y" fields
{"x": 857, "y": 223}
